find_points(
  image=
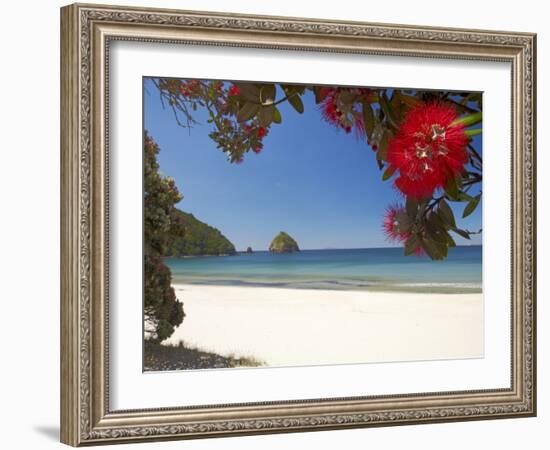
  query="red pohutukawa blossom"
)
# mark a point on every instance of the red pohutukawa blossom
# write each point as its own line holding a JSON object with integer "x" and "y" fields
{"x": 261, "y": 132}
{"x": 335, "y": 113}
{"x": 329, "y": 107}
{"x": 184, "y": 89}
{"x": 393, "y": 229}
{"x": 234, "y": 90}
{"x": 428, "y": 149}
{"x": 391, "y": 225}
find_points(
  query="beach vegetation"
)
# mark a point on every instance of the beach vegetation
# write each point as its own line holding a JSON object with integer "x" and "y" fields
{"x": 181, "y": 356}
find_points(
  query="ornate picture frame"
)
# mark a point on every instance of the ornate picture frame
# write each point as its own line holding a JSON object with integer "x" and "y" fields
{"x": 87, "y": 31}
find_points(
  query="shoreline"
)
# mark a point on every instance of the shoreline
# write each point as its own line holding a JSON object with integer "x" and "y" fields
{"x": 297, "y": 327}
{"x": 336, "y": 285}
{"x": 198, "y": 256}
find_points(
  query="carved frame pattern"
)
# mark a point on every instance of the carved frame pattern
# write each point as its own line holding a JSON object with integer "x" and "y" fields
{"x": 86, "y": 418}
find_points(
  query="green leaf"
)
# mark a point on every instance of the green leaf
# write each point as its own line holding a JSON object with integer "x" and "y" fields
{"x": 265, "y": 115}
{"x": 294, "y": 89}
{"x": 247, "y": 111}
{"x": 438, "y": 237}
{"x": 384, "y": 104}
{"x": 411, "y": 245}
{"x": 267, "y": 94}
{"x": 450, "y": 240}
{"x": 382, "y": 152}
{"x": 469, "y": 120}
{"x": 433, "y": 226}
{"x": 410, "y": 100}
{"x": 437, "y": 221}
{"x": 398, "y": 105}
{"x": 277, "y": 115}
{"x": 434, "y": 250}
{"x": 368, "y": 118}
{"x": 296, "y": 102}
{"x": 317, "y": 92}
{"x": 451, "y": 188}
{"x": 464, "y": 197}
{"x": 472, "y": 132}
{"x": 471, "y": 206}
{"x": 437, "y": 231}
{"x": 411, "y": 206}
{"x": 473, "y": 96}
{"x": 462, "y": 233}
{"x": 346, "y": 97}
{"x": 404, "y": 221}
{"x": 447, "y": 213}
{"x": 388, "y": 172}
{"x": 249, "y": 91}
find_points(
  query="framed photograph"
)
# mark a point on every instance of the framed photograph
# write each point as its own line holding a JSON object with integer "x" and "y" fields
{"x": 276, "y": 225}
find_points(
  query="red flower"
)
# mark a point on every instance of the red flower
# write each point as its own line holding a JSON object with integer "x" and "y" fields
{"x": 258, "y": 149}
{"x": 391, "y": 225}
{"x": 261, "y": 132}
{"x": 184, "y": 89}
{"x": 428, "y": 149}
{"x": 234, "y": 90}
{"x": 393, "y": 229}
{"x": 331, "y": 108}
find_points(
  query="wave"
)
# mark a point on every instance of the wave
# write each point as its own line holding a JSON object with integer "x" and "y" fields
{"x": 339, "y": 284}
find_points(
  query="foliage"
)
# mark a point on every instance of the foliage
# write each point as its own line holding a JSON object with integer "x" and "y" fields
{"x": 283, "y": 243}
{"x": 197, "y": 239}
{"x": 162, "y": 310}
{"x": 422, "y": 141}
{"x": 160, "y": 217}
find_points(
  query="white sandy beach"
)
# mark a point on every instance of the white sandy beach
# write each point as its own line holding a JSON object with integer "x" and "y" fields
{"x": 286, "y": 327}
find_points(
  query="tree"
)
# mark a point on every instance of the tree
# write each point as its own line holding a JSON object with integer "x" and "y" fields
{"x": 162, "y": 310}
{"x": 422, "y": 141}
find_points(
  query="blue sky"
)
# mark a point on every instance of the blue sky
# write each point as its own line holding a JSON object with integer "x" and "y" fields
{"x": 320, "y": 185}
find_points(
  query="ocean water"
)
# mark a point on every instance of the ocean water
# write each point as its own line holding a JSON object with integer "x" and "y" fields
{"x": 374, "y": 269}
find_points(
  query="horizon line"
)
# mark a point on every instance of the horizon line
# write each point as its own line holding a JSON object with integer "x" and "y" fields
{"x": 350, "y": 248}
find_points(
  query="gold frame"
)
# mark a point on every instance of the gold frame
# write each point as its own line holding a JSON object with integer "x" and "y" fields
{"x": 86, "y": 31}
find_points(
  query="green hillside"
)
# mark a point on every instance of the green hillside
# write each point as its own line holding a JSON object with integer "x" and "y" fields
{"x": 198, "y": 238}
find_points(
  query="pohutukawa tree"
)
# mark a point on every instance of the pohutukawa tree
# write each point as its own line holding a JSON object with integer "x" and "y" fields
{"x": 162, "y": 310}
{"x": 422, "y": 141}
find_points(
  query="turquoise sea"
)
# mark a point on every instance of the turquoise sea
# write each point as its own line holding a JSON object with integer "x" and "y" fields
{"x": 373, "y": 269}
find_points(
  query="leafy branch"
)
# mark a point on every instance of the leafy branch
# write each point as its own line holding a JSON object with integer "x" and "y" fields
{"x": 423, "y": 142}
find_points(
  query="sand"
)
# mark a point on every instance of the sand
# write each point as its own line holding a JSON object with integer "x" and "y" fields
{"x": 288, "y": 327}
